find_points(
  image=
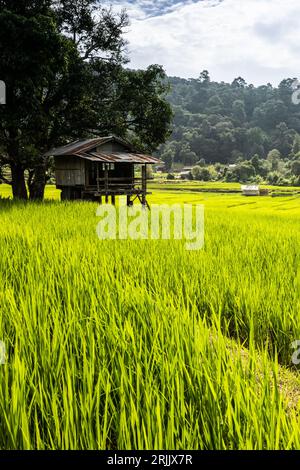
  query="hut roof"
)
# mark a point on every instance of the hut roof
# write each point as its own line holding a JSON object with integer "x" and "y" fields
{"x": 90, "y": 149}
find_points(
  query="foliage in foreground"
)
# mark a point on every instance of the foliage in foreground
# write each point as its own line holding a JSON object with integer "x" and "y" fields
{"x": 122, "y": 344}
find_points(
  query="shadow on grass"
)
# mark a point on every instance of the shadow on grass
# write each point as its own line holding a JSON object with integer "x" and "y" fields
{"x": 7, "y": 204}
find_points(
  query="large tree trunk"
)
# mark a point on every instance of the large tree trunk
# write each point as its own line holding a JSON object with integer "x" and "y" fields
{"x": 38, "y": 184}
{"x": 18, "y": 182}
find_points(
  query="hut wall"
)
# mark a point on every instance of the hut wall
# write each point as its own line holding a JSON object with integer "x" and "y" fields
{"x": 70, "y": 171}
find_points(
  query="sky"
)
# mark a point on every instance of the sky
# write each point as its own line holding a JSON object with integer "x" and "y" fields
{"x": 258, "y": 40}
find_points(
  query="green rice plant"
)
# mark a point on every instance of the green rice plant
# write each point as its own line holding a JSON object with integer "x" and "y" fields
{"x": 123, "y": 344}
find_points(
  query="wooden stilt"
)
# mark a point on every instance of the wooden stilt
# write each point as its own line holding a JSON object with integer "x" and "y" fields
{"x": 144, "y": 185}
{"x": 140, "y": 198}
{"x": 106, "y": 183}
{"x": 98, "y": 182}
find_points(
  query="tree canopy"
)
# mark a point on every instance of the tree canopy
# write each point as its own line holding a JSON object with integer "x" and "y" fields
{"x": 64, "y": 65}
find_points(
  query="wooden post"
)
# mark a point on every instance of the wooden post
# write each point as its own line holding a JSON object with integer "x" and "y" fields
{"x": 106, "y": 182}
{"x": 98, "y": 182}
{"x": 113, "y": 199}
{"x": 144, "y": 185}
{"x": 132, "y": 177}
{"x": 128, "y": 200}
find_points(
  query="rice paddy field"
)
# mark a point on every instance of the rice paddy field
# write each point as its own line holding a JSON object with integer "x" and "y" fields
{"x": 122, "y": 344}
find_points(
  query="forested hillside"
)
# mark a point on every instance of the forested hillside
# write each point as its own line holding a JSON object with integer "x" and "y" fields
{"x": 233, "y": 123}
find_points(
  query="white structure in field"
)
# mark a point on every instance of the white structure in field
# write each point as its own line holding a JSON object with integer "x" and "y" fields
{"x": 2, "y": 92}
{"x": 251, "y": 190}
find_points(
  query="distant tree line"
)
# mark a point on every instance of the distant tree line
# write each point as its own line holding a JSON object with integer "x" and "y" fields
{"x": 239, "y": 131}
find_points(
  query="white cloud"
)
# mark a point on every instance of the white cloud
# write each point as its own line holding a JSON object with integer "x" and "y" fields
{"x": 141, "y": 9}
{"x": 255, "y": 39}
